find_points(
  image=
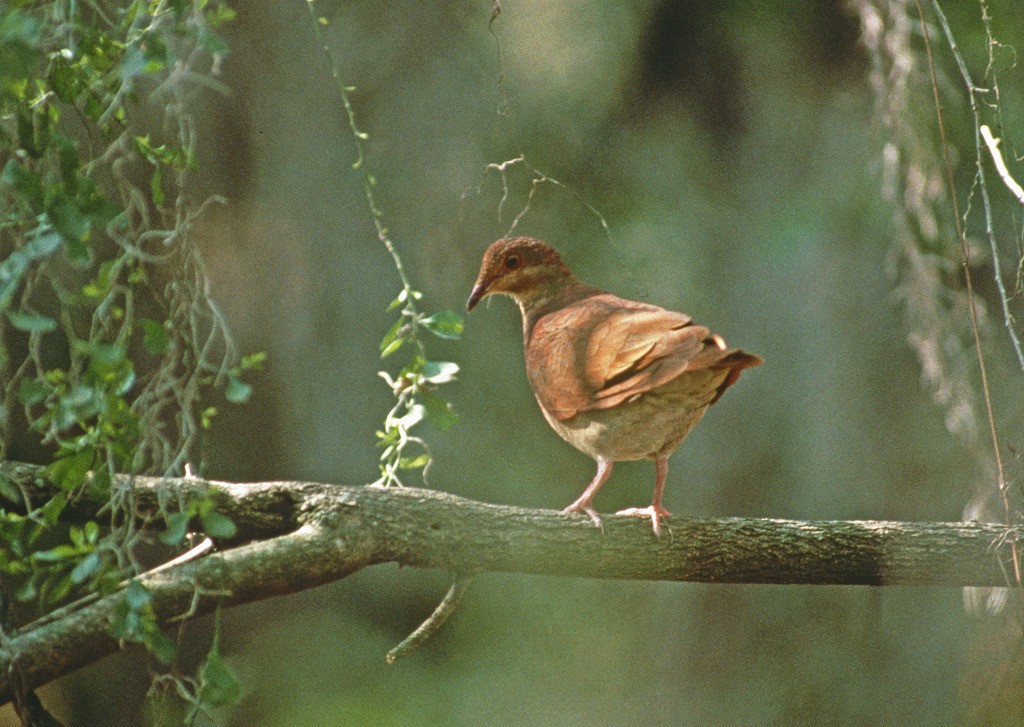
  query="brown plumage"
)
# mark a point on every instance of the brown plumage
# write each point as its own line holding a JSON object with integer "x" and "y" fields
{"x": 618, "y": 379}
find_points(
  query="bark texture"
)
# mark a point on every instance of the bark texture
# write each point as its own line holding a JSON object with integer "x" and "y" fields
{"x": 297, "y": 535}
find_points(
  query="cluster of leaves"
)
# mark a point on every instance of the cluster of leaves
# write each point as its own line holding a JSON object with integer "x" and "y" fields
{"x": 135, "y": 620}
{"x": 54, "y": 64}
{"x": 174, "y": 702}
{"x": 203, "y": 509}
{"x": 108, "y": 341}
{"x": 179, "y": 700}
{"x": 49, "y": 575}
{"x": 415, "y": 385}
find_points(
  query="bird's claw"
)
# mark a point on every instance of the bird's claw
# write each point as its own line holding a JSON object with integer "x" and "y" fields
{"x": 651, "y": 511}
{"x": 576, "y": 507}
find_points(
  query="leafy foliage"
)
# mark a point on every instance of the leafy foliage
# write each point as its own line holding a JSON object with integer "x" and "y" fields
{"x": 415, "y": 385}
{"x": 109, "y": 343}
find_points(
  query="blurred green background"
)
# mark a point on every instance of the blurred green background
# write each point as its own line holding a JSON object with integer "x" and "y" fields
{"x": 734, "y": 151}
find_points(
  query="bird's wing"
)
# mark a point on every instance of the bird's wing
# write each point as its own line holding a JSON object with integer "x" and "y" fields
{"x": 605, "y": 350}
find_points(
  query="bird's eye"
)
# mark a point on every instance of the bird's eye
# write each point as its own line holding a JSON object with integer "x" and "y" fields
{"x": 512, "y": 262}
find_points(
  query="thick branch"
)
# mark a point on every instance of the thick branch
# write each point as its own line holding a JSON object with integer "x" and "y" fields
{"x": 304, "y": 534}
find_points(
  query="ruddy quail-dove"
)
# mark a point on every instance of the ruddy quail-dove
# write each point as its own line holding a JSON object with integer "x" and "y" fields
{"x": 617, "y": 379}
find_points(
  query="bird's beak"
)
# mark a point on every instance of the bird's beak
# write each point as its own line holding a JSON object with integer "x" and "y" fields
{"x": 479, "y": 292}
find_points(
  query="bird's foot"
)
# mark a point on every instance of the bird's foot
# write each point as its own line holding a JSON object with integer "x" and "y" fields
{"x": 585, "y": 507}
{"x": 654, "y": 512}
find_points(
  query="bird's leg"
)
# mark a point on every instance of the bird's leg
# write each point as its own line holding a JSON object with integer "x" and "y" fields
{"x": 655, "y": 510}
{"x": 585, "y": 501}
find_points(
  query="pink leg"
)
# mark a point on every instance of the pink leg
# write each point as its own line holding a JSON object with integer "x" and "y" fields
{"x": 655, "y": 510}
{"x": 584, "y": 502}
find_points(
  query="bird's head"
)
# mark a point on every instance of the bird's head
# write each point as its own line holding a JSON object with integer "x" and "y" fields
{"x": 524, "y": 268}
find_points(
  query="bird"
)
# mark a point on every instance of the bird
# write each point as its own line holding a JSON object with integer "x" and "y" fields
{"x": 618, "y": 379}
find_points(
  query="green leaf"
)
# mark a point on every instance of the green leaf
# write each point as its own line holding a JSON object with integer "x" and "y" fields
{"x": 97, "y": 206}
{"x": 134, "y": 63}
{"x": 445, "y": 324}
{"x": 154, "y": 336}
{"x": 217, "y": 525}
{"x": 439, "y": 411}
{"x": 137, "y": 595}
{"x": 158, "y": 644}
{"x": 28, "y": 137}
{"x": 217, "y": 15}
{"x": 403, "y": 297}
{"x": 392, "y": 340}
{"x": 148, "y": 55}
{"x": 32, "y": 392}
{"x": 26, "y": 183}
{"x": 253, "y": 361}
{"x": 43, "y": 241}
{"x": 387, "y": 438}
{"x": 125, "y": 621}
{"x": 238, "y": 391}
{"x": 439, "y": 372}
{"x": 414, "y": 463}
{"x": 19, "y": 35}
{"x": 218, "y": 685}
{"x": 72, "y": 224}
{"x": 70, "y": 472}
{"x": 19, "y": 26}
{"x": 212, "y": 42}
{"x": 99, "y": 480}
{"x": 9, "y": 491}
{"x": 54, "y": 555}
{"x": 64, "y": 81}
{"x": 106, "y": 358}
{"x": 77, "y": 405}
{"x": 177, "y": 526}
{"x": 127, "y": 379}
{"x": 27, "y": 592}
{"x": 411, "y": 371}
{"x": 92, "y": 532}
{"x": 67, "y": 154}
{"x": 31, "y": 322}
{"x": 51, "y": 510}
{"x": 88, "y": 565}
{"x": 392, "y": 347}
{"x": 55, "y": 588}
{"x": 100, "y": 285}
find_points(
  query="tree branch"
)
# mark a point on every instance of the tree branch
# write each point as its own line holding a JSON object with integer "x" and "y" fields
{"x": 297, "y": 535}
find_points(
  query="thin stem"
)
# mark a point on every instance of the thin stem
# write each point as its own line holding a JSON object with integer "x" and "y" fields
{"x": 434, "y": 621}
{"x": 965, "y": 254}
{"x": 359, "y": 137}
{"x": 980, "y": 174}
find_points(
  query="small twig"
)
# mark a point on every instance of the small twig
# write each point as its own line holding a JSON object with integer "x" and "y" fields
{"x": 204, "y": 546}
{"x": 972, "y": 90}
{"x": 997, "y": 159}
{"x": 434, "y": 621}
{"x": 59, "y": 613}
{"x": 965, "y": 254}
